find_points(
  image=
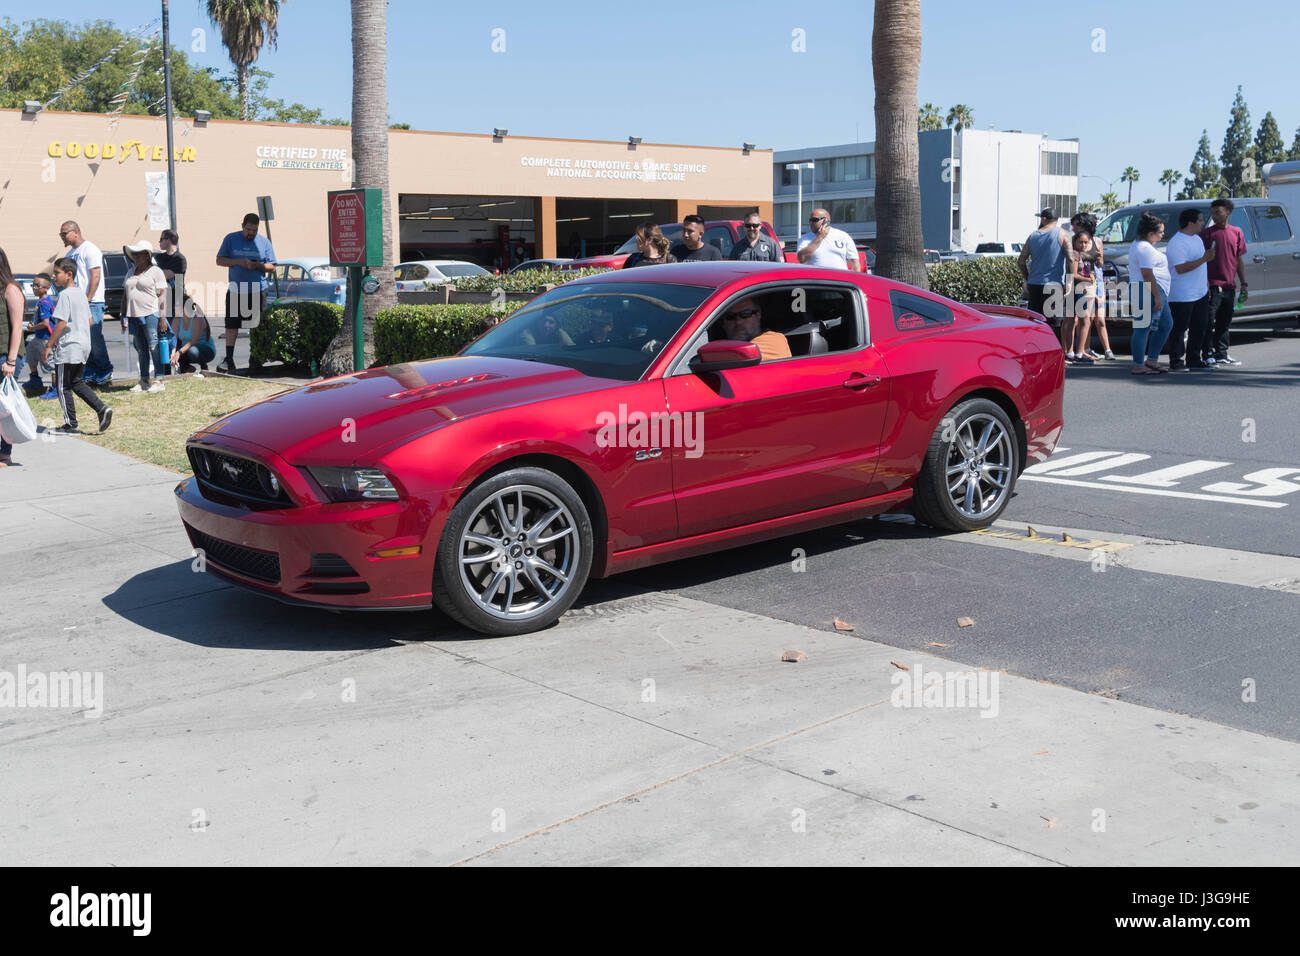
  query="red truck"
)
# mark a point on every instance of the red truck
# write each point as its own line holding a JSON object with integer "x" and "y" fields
{"x": 723, "y": 233}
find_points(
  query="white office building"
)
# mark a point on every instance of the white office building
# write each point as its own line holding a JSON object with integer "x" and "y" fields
{"x": 977, "y": 186}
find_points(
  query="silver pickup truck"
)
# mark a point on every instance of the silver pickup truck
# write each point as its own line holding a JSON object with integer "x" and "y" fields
{"x": 1272, "y": 247}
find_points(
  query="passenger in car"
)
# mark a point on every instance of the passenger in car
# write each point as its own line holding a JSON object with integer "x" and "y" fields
{"x": 547, "y": 331}
{"x": 744, "y": 322}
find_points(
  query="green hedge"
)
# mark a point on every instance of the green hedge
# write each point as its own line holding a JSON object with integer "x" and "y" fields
{"x": 531, "y": 280}
{"x": 296, "y": 333}
{"x": 412, "y": 333}
{"x": 995, "y": 280}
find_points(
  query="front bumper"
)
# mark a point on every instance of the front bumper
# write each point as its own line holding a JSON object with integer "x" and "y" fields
{"x": 320, "y": 554}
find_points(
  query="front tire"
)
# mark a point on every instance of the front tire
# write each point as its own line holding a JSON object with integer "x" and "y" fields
{"x": 970, "y": 467}
{"x": 514, "y": 554}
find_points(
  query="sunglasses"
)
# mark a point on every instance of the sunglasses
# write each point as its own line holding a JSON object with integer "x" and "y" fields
{"x": 742, "y": 314}
{"x": 753, "y": 225}
{"x": 816, "y": 218}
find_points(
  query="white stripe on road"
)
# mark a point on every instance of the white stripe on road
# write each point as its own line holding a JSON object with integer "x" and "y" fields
{"x": 1168, "y": 477}
{"x": 1193, "y": 496}
{"x": 1086, "y": 463}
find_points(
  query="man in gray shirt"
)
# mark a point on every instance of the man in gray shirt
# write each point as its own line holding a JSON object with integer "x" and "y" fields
{"x": 69, "y": 347}
{"x": 754, "y": 246}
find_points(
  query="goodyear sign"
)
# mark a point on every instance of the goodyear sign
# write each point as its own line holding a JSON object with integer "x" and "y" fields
{"x": 119, "y": 151}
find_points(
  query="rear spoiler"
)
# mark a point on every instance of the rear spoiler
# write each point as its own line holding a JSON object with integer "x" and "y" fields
{"x": 1014, "y": 311}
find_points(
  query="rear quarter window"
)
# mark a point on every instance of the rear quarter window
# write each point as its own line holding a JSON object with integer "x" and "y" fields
{"x": 914, "y": 312}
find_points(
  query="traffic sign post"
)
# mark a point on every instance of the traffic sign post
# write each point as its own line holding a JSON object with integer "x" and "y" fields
{"x": 356, "y": 240}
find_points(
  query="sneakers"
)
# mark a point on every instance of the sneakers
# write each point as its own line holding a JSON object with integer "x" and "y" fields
{"x": 198, "y": 375}
{"x": 1226, "y": 360}
{"x": 67, "y": 430}
{"x": 1095, "y": 356}
{"x": 156, "y": 387}
{"x": 1082, "y": 360}
{"x": 228, "y": 367}
{"x": 137, "y": 387}
{"x": 105, "y": 419}
{"x": 1110, "y": 356}
{"x": 1197, "y": 366}
{"x": 1179, "y": 366}
{"x": 49, "y": 395}
{"x": 1210, "y": 361}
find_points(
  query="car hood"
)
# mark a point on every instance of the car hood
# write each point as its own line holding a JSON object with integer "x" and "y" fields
{"x": 344, "y": 419}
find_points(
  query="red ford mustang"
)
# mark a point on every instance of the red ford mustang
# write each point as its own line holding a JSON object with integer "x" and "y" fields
{"x": 621, "y": 421}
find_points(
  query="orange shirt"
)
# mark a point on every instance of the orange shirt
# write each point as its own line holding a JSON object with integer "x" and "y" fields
{"x": 772, "y": 345}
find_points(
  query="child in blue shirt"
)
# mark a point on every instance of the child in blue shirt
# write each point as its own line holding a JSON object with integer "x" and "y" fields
{"x": 40, "y": 328}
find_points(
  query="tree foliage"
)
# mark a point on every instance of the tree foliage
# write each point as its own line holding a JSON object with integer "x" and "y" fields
{"x": 1237, "y": 155}
{"x": 929, "y": 117}
{"x": 39, "y": 57}
{"x": 1269, "y": 147}
{"x": 1203, "y": 174}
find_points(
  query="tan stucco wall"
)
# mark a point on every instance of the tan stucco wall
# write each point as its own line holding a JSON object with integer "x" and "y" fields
{"x": 218, "y": 179}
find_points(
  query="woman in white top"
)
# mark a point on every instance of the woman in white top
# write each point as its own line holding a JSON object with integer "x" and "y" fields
{"x": 1147, "y": 262}
{"x": 141, "y": 302}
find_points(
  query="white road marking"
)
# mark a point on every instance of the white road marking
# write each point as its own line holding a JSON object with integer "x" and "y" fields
{"x": 1193, "y": 496}
{"x": 1168, "y": 477}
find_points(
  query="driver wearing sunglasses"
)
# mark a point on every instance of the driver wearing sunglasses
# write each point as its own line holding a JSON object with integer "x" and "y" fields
{"x": 743, "y": 322}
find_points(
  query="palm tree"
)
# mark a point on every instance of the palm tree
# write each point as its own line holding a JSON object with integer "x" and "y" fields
{"x": 1130, "y": 176}
{"x": 1168, "y": 178}
{"x": 244, "y": 25}
{"x": 930, "y": 117}
{"x": 896, "y": 66}
{"x": 370, "y": 162}
{"x": 1110, "y": 200}
{"x": 960, "y": 117}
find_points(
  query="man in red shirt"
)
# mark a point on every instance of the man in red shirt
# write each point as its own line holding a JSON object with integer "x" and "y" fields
{"x": 1226, "y": 268}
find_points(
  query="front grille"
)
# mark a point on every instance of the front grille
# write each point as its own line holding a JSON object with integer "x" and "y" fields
{"x": 240, "y": 477}
{"x": 262, "y": 565}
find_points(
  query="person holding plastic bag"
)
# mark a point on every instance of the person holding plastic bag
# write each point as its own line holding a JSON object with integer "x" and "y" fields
{"x": 15, "y": 415}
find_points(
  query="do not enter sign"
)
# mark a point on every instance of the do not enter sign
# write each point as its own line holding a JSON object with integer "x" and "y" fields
{"x": 356, "y": 227}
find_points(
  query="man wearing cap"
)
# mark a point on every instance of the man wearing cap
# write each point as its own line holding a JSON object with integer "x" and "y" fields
{"x": 249, "y": 259}
{"x": 1043, "y": 263}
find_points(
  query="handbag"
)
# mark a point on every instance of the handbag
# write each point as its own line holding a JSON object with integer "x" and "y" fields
{"x": 17, "y": 423}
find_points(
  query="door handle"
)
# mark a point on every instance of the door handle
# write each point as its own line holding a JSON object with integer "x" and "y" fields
{"x": 1256, "y": 258}
{"x": 857, "y": 381}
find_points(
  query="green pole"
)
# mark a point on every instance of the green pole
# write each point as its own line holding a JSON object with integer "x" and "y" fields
{"x": 358, "y": 335}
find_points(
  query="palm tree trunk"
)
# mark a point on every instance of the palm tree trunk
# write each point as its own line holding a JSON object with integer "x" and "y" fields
{"x": 370, "y": 159}
{"x": 242, "y": 73}
{"x": 896, "y": 65}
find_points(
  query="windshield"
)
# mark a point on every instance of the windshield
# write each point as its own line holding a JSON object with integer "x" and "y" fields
{"x": 1121, "y": 226}
{"x": 606, "y": 330}
{"x": 672, "y": 232}
{"x": 461, "y": 269}
{"x": 990, "y": 247}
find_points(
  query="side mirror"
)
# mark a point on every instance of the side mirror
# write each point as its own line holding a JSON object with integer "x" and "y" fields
{"x": 724, "y": 354}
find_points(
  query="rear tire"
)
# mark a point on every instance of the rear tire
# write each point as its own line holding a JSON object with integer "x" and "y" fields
{"x": 969, "y": 471}
{"x": 514, "y": 554}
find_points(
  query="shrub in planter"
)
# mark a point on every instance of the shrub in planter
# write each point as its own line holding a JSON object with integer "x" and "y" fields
{"x": 296, "y": 333}
{"x": 412, "y": 333}
{"x": 530, "y": 280}
{"x": 995, "y": 280}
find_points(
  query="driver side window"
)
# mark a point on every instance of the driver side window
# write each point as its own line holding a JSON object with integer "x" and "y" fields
{"x": 811, "y": 319}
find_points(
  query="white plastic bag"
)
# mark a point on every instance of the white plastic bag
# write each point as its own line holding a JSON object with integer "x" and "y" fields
{"x": 17, "y": 423}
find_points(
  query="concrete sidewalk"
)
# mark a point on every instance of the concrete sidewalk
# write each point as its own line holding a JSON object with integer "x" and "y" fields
{"x": 649, "y": 729}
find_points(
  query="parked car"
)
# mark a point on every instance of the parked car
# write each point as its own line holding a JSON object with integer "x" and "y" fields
{"x": 420, "y": 274}
{"x": 309, "y": 279}
{"x": 932, "y": 257}
{"x": 866, "y": 258}
{"x": 116, "y": 268}
{"x": 998, "y": 249}
{"x": 533, "y": 264}
{"x": 1272, "y": 249}
{"x": 496, "y": 482}
{"x": 30, "y": 301}
{"x": 723, "y": 233}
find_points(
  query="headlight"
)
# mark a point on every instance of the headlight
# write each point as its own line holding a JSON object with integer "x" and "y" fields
{"x": 355, "y": 484}
{"x": 270, "y": 483}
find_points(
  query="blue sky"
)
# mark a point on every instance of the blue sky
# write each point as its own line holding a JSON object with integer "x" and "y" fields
{"x": 722, "y": 72}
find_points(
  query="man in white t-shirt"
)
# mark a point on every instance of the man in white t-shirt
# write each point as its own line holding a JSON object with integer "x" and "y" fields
{"x": 1189, "y": 292}
{"x": 90, "y": 280}
{"x": 824, "y": 245}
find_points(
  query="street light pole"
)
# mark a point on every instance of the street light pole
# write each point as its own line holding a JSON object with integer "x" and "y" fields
{"x": 800, "y": 167}
{"x": 167, "y": 101}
